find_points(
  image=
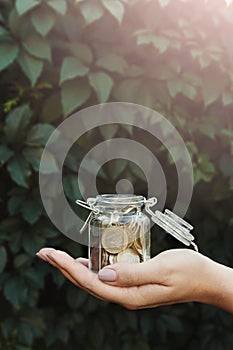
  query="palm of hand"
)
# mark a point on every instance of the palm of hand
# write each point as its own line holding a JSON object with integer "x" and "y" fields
{"x": 170, "y": 277}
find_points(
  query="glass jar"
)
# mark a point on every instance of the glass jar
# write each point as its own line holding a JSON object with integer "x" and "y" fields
{"x": 118, "y": 231}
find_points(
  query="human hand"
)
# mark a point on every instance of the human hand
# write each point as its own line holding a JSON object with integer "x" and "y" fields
{"x": 173, "y": 276}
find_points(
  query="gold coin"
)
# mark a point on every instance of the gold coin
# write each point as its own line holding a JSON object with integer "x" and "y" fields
{"x": 112, "y": 259}
{"x": 115, "y": 239}
{"x": 129, "y": 255}
{"x": 132, "y": 231}
{"x": 138, "y": 245}
{"x": 104, "y": 258}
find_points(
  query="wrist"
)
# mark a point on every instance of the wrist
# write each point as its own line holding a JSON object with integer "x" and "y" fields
{"x": 217, "y": 285}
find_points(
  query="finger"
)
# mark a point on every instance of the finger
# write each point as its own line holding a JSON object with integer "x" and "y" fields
{"x": 89, "y": 280}
{"x": 42, "y": 253}
{"x": 83, "y": 261}
{"x": 46, "y": 255}
{"x": 54, "y": 264}
{"x": 126, "y": 274}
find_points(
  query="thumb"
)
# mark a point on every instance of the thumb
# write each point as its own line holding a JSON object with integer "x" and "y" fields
{"x": 128, "y": 274}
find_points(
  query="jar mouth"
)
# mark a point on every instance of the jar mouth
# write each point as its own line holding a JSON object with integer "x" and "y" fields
{"x": 120, "y": 199}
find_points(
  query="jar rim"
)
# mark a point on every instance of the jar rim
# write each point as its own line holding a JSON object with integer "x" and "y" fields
{"x": 120, "y": 199}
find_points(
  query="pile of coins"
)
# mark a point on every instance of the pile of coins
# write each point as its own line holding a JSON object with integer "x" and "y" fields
{"x": 120, "y": 242}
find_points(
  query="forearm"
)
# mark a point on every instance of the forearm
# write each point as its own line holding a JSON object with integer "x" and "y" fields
{"x": 218, "y": 286}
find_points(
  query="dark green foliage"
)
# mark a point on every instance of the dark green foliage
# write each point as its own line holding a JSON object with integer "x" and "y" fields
{"x": 57, "y": 57}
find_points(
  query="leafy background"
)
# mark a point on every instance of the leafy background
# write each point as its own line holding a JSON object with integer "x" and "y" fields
{"x": 57, "y": 57}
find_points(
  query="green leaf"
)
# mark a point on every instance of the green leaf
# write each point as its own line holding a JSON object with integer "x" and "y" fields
{"x": 112, "y": 62}
{"x": 172, "y": 323}
{"x": 205, "y": 165}
{"x": 5, "y": 154}
{"x": 116, "y": 167}
{"x": 226, "y": 165}
{"x": 91, "y": 11}
{"x": 32, "y": 243}
{"x": 52, "y": 108}
{"x": 164, "y": 3}
{"x": 4, "y": 34}
{"x": 108, "y": 131}
{"x": 76, "y": 297}
{"x": 227, "y": 132}
{"x": 71, "y": 187}
{"x": 9, "y": 225}
{"x": 19, "y": 170}
{"x": 31, "y": 210}
{"x": 58, "y": 278}
{"x": 58, "y": 5}
{"x": 37, "y": 46}
{"x": 21, "y": 260}
{"x": 74, "y": 95}
{"x": 43, "y": 20}
{"x": 72, "y": 68}
{"x": 102, "y": 83}
{"x": 208, "y": 130}
{"x": 49, "y": 164}
{"x": 14, "y": 203}
{"x": 26, "y": 335}
{"x": 33, "y": 156}
{"x": 24, "y": 6}
{"x": 192, "y": 78}
{"x": 116, "y": 8}
{"x": 227, "y": 98}
{"x": 3, "y": 258}
{"x": 17, "y": 122}
{"x": 82, "y": 52}
{"x": 15, "y": 242}
{"x": 36, "y": 277}
{"x": 7, "y": 326}
{"x": 214, "y": 83}
{"x": 39, "y": 134}
{"x": 31, "y": 66}
{"x": 159, "y": 42}
{"x": 8, "y": 53}
{"x": 174, "y": 87}
{"x": 127, "y": 90}
{"x": 189, "y": 91}
{"x": 204, "y": 60}
{"x": 14, "y": 291}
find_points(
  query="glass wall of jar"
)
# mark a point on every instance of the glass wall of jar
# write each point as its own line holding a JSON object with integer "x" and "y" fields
{"x": 118, "y": 231}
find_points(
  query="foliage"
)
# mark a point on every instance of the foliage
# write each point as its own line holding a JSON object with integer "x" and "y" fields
{"x": 57, "y": 57}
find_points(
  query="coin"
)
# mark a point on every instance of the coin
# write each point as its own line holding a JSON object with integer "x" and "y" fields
{"x": 115, "y": 239}
{"x": 129, "y": 255}
{"x": 112, "y": 259}
{"x": 138, "y": 245}
{"x": 98, "y": 258}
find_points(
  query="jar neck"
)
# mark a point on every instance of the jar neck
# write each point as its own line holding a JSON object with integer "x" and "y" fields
{"x": 118, "y": 203}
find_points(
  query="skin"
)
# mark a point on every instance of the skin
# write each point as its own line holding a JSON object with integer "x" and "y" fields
{"x": 173, "y": 276}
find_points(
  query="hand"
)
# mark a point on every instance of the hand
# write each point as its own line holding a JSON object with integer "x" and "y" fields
{"x": 173, "y": 276}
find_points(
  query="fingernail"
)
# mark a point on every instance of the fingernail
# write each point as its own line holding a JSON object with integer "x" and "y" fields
{"x": 107, "y": 275}
{"x": 42, "y": 257}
